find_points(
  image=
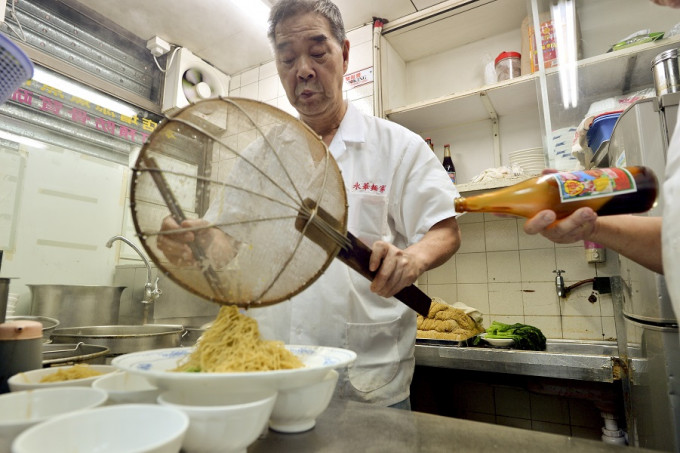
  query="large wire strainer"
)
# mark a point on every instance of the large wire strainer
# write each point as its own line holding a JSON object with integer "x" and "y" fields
{"x": 263, "y": 179}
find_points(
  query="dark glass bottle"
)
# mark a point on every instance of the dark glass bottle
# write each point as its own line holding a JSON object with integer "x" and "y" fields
{"x": 428, "y": 140}
{"x": 448, "y": 163}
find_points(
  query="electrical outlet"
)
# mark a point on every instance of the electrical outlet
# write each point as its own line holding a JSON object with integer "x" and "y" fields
{"x": 157, "y": 46}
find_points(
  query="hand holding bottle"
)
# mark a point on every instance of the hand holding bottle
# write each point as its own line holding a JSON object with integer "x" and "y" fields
{"x": 578, "y": 226}
{"x": 574, "y": 228}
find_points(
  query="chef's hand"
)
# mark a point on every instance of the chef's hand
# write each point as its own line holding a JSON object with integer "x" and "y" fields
{"x": 578, "y": 226}
{"x": 395, "y": 269}
{"x": 671, "y": 3}
{"x": 217, "y": 246}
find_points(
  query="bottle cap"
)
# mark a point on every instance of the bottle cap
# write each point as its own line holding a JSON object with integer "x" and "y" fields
{"x": 504, "y": 55}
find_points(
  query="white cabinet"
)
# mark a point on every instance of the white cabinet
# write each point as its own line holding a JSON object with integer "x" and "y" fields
{"x": 433, "y": 64}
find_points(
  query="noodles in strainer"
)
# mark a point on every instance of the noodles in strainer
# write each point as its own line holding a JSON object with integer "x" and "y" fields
{"x": 233, "y": 344}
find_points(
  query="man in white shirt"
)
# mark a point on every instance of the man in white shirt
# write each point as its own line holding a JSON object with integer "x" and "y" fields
{"x": 400, "y": 204}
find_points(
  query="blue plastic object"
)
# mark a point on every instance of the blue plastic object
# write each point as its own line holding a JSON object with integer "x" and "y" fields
{"x": 15, "y": 68}
{"x": 601, "y": 129}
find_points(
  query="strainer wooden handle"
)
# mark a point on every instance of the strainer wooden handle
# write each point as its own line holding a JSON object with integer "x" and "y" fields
{"x": 354, "y": 254}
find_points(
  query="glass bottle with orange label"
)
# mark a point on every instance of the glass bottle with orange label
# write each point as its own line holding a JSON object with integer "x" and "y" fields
{"x": 607, "y": 191}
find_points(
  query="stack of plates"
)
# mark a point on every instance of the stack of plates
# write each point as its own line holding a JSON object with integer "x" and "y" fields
{"x": 531, "y": 160}
{"x": 12, "y": 300}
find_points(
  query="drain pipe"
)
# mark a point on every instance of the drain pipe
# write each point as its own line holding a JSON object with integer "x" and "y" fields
{"x": 611, "y": 434}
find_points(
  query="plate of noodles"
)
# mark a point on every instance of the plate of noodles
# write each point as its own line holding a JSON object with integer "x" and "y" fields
{"x": 231, "y": 356}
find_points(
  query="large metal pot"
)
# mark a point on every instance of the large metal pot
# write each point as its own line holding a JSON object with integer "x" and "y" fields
{"x": 123, "y": 339}
{"x": 76, "y": 305}
{"x": 49, "y": 324}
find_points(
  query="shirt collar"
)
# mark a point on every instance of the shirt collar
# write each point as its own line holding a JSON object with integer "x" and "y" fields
{"x": 352, "y": 130}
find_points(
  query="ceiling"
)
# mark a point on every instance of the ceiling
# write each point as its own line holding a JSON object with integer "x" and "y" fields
{"x": 221, "y": 31}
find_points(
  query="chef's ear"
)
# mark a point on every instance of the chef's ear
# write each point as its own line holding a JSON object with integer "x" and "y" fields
{"x": 345, "y": 55}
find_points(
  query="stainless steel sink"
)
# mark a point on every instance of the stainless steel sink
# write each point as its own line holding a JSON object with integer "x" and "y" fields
{"x": 582, "y": 347}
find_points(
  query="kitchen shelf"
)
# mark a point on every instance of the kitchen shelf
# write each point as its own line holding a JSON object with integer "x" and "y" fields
{"x": 617, "y": 72}
{"x": 610, "y": 74}
{"x": 491, "y": 184}
{"x": 510, "y": 96}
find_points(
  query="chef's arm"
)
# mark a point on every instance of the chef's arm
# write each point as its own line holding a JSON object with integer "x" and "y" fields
{"x": 396, "y": 269}
{"x": 218, "y": 247}
{"x": 635, "y": 237}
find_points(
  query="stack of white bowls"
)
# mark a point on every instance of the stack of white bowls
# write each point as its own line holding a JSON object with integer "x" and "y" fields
{"x": 11, "y": 304}
{"x": 531, "y": 160}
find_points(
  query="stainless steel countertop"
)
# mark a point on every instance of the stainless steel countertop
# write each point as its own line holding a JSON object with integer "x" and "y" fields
{"x": 594, "y": 361}
{"x": 348, "y": 426}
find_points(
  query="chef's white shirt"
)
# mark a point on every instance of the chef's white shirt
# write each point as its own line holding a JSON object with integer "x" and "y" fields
{"x": 397, "y": 190}
{"x": 671, "y": 220}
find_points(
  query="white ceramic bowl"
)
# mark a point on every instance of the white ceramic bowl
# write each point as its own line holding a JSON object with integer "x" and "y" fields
{"x": 28, "y": 380}
{"x": 222, "y": 423}
{"x": 21, "y": 410}
{"x": 155, "y": 365}
{"x": 296, "y": 409}
{"x": 130, "y": 428}
{"x": 123, "y": 388}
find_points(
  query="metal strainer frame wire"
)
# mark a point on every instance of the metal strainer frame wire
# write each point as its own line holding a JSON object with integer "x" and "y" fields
{"x": 309, "y": 213}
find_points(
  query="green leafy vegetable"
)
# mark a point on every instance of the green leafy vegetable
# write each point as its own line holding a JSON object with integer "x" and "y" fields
{"x": 525, "y": 336}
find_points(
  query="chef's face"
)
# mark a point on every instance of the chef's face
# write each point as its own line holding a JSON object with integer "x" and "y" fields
{"x": 311, "y": 63}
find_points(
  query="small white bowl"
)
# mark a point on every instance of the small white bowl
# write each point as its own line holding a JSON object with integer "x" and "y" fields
{"x": 28, "y": 380}
{"x": 296, "y": 409}
{"x": 21, "y": 410}
{"x": 138, "y": 428}
{"x": 498, "y": 342}
{"x": 224, "y": 423}
{"x": 123, "y": 388}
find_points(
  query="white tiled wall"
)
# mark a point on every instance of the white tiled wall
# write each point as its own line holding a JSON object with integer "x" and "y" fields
{"x": 500, "y": 270}
{"x": 508, "y": 276}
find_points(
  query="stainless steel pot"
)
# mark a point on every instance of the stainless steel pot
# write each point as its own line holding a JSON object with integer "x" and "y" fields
{"x": 122, "y": 339}
{"x": 49, "y": 324}
{"x": 76, "y": 305}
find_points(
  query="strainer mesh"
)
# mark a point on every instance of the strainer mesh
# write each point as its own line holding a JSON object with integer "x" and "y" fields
{"x": 246, "y": 167}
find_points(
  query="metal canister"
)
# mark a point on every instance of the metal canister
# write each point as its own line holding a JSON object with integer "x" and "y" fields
{"x": 20, "y": 349}
{"x": 666, "y": 73}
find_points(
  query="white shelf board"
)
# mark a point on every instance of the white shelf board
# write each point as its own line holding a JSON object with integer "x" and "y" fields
{"x": 455, "y": 23}
{"x": 507, "y": 97}
{"x": 621, "y": 71}
{"x": 491, "y": 184}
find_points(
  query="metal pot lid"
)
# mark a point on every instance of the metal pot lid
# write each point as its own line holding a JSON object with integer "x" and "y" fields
{"x": 665, "y": 55}
{"x": 47, "y": 322}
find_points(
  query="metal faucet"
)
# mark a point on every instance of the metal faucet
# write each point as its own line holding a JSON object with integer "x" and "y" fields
{"x": 151, "y": 291}
{"x": 559, "y": 283}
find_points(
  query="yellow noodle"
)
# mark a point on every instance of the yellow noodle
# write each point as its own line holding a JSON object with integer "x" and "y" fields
{"x": 233, "y": 344}
{"x": 78, "y": 371}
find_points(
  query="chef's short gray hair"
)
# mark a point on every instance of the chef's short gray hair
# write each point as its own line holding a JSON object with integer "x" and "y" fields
{"x": 283, "y": 9}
